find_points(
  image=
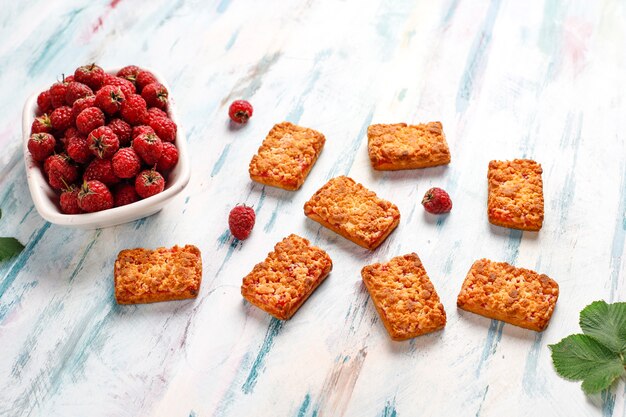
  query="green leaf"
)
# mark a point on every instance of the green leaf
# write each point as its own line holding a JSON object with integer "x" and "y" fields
{"x": 606, "y": 323}
{"x": 9, "y": 247}
{"x": 581, "y": 357}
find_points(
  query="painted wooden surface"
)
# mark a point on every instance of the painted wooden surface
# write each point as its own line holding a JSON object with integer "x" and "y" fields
{"x": 543, "y": 80}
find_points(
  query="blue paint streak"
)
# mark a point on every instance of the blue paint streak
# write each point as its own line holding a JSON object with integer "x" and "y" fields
{"x": 272, "y": 221}
{"x": 21, "y": 261}
{"x": 231, "y": 250}
{"x": 84, "y": 255}
{"x": 608, "y": 403}
{"x": 220, "y": 161}
{"x": 223, "y": 6}
{"x": 390, "y": 409}
{"x": 477, "y": 59}
{"x": 30, "y": 210}
{"x": 493, "y": 338}
{"x": 272, "y": 331}
{"x": 530, "y": 380}
{"x": 344, "y": 164}
{"x": 192, "y": 413}
{"x": 55, "y": 43}
{"x": 480, "y": 407}
{"x": 449, "y": 13}
{"x": 232, "y": 40}
{"x": 619, "y": 237}
{"x": 224, "y": 238}
{"x": 305, "y": 406}
{"x": 515, "y": 238}
{"x": 296, "y": 113}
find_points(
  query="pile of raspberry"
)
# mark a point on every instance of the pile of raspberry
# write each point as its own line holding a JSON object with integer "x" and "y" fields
{"x": 104, "y": 140}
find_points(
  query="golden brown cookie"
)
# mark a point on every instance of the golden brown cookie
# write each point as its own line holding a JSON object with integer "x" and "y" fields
{"x": 515, "y": 194}
{"x": 286, "y": 156}
{"x": 404, "y": 297}
{"x": 353, "y": 211}
{"x": 164, "y": 274}
{"x": 287, "y": 277}
{"x": 503, "y": 292}
{"x": 401, "y": 146}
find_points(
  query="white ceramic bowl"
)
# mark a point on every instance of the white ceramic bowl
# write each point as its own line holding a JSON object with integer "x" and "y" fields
{"x": 46, "y": 199}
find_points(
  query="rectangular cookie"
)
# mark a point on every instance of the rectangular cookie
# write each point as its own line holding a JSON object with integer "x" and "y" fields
{"x": 149, "y": 276}
{"x": 404, "y": 297}
{"x": 353, "y": 211}
{"x": 286, "y": 156}
{"x": 503, "y": 292}
{"x": 515, "y": 194}
{"x": 287, "y": 277}
{"x": 400, "y": 146}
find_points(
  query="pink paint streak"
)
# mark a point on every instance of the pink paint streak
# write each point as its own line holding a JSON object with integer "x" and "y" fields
{"x": 100, "y": 22}
{"x": 576, "y": 35}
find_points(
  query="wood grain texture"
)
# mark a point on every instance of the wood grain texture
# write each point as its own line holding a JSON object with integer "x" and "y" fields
{"x": 507, "y": 80}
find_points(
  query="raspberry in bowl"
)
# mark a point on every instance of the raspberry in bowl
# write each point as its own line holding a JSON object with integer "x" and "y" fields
{"x": 81, "y": 165}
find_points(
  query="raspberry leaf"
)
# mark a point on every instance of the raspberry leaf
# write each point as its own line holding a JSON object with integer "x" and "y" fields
{"x": 9, "y": 247}
{"x": 581, "y": 357}
{"x": 606, "y": 323}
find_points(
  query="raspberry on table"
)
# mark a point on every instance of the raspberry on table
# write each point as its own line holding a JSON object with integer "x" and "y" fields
{"x": 156, "y": 95}
{"x": 134, "y": 110}
{"x": 41, "y": 146}
{"x": 126, "y": 163}
{"x": 103, "y": 143}
{"x": 149, "y": 147}
{"x": 94, "y": 196}
{"x": 89, "y": 119}
{"x": 169, "y": 157}
{"x": 91, "y": 74}
{"x": 241, "y": 221}
{"x": 240, "y": 111}
{"x": 148, "y": 183}
{"x": 437, "y": 201}
{"x": 109, "y": 98}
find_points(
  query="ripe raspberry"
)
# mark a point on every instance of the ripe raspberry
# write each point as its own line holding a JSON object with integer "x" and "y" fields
{"x": 437, "y": 201}
{"x": 82, "y": 104}
{"x": 127, "y": 87}
{"x": 41, "y": 124}
{"x": 103, "y": 143}
{"x": 41, "y": 146}
{"x": 109, "y": 98}
{"x": 94, "y": 196}
{"x": 126, "y": 163}
{"x": 169, "y": 157}
{"x": 122, "y": 130}
{"x": 154, "y": 113}
{"x": 139, "y": 130}
{"x": 124, "y": 194}
{"x": 143, "y": 79}
{"x": 149, "y": 148}
{"x": 76, "y": 90}
{"x": 51, "y": 159}
{"x": 156, "y": 95}
{"x": 134, "y": 110}
{"x": 69, "y": 79}
{"x": 78, "y": 149}
{"x": 44, "y": 102}
{"x": 240, "y": 111}
{"x": 129, "y": 73}
{"x": 241, "y": 221}
{"x": 57, "y": 93}
{"x": 69, "y": 201}
{"x": 101, "y": 170}
{"x": 164, "y": 129}
{"x": 91, "y": 74}
{"x": 71, "y": 132}
{"x": 61, "y": 118}
{"x": 89, "y": 119}
{"x": 148, "y": 183}
{"x": 62, "y": 173}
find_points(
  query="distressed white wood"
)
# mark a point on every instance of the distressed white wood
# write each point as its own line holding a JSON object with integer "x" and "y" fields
{"x": 542, "y": 80}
